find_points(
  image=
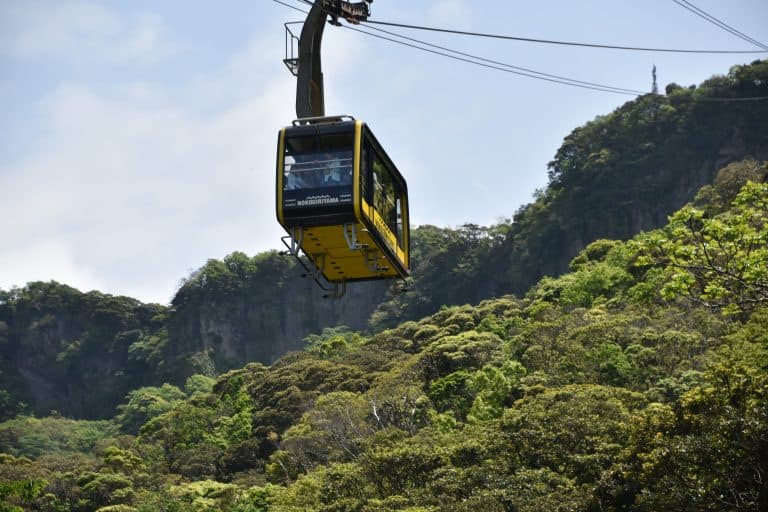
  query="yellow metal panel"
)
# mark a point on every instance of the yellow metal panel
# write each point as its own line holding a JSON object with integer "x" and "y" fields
{"x": 386, "y": 233}
{"x": 279, "y": 180}
{"x": 406, "y": 234}
{"x": 357, "y": 158}
{"x": 328, "y": 248}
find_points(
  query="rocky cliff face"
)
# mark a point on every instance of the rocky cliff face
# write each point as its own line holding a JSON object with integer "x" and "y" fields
{"x": 81, "y": 353}
{"x": 70, "y": 351}
{"x": 268, "y": 317}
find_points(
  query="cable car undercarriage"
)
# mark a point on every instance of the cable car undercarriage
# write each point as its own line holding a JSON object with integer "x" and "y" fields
{"x": 315, "y": 267}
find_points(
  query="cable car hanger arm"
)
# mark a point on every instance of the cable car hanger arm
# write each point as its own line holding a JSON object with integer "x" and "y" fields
{"x": 310, "y": 96}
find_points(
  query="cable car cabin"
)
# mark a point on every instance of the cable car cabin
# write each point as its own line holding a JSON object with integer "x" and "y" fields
{"x": 342, "y": 201}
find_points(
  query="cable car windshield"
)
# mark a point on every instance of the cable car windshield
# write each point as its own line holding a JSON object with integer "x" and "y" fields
{"x": 318, "y": 170}
{"x": 318, "y": 166}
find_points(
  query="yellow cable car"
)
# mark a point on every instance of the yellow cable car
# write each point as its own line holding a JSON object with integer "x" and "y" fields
{"x": 342, "y": 201}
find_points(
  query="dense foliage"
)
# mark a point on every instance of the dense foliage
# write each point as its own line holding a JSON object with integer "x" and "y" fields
{"x": 617, "y": 175}
{"x": 637, "y": 381}
{"x": 79, "y": 353}
{"x": 235, "y": 275}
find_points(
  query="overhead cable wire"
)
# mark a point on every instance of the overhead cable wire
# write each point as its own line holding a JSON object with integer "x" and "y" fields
{"x": 541, "y": 76}
{"x": 487, "y": 63}
{"x": 547, "y": 41}
{"x": 719, "y": 23}
{"x": 510, "y": 66}
{"x": 567, "y": 81}
{"x": 290, "y": 6}
{"x": 565, "y": 43}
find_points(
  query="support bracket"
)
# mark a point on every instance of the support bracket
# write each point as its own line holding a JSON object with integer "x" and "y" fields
{"x": 293, "y": 240}
{"x": 314, "y": 268}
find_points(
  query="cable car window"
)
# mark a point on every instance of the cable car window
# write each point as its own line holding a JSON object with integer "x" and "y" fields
{"x": 399, "y": 233}
{"x": 387, "y": 198}
{"x": 317, "y": 170}
{"x": 366, "y": 173}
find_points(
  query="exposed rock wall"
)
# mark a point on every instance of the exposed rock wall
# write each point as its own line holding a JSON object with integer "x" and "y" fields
{"x": 232, "y": 331}
{"x": 69, "y": 351}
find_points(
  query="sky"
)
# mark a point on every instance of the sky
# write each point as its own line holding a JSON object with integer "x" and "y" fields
{"x": 138, "y": 139}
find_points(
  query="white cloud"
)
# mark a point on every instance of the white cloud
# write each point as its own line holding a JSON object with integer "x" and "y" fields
{"x": 42, "y": 26}
{"x": 73, "y": 30}
{"x": 140, "y": 186}
{"x": 45, "y": 260}
{"x": 131, "y": 184}
{"x": 144, "y": 36}
{"x": 449, "y": 11}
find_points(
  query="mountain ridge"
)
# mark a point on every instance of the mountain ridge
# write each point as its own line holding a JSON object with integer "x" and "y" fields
{"x": 635, "y": 381}
{"x": 621, "y": 172}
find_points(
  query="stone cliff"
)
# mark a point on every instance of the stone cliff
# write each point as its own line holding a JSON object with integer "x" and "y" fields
{"x": 266, "y": 314}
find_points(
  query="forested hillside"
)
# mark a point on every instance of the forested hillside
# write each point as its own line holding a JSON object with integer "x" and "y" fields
{"x": 73, "y": 352}
{"x": 635, "y": 381}
{"x": 617, "y": 175}
{"x": 80, "y": 353}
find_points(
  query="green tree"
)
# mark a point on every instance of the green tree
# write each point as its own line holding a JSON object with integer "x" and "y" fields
{"x": 708, "y": 453}
{"x": 495, "y": 388}
{"x": 576, "y": 431}
{"x": 333, "y": 430}
{"x": 35, "y": 437}
{"x": 145, "y": 403}
{"x": 719, "y": 262}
